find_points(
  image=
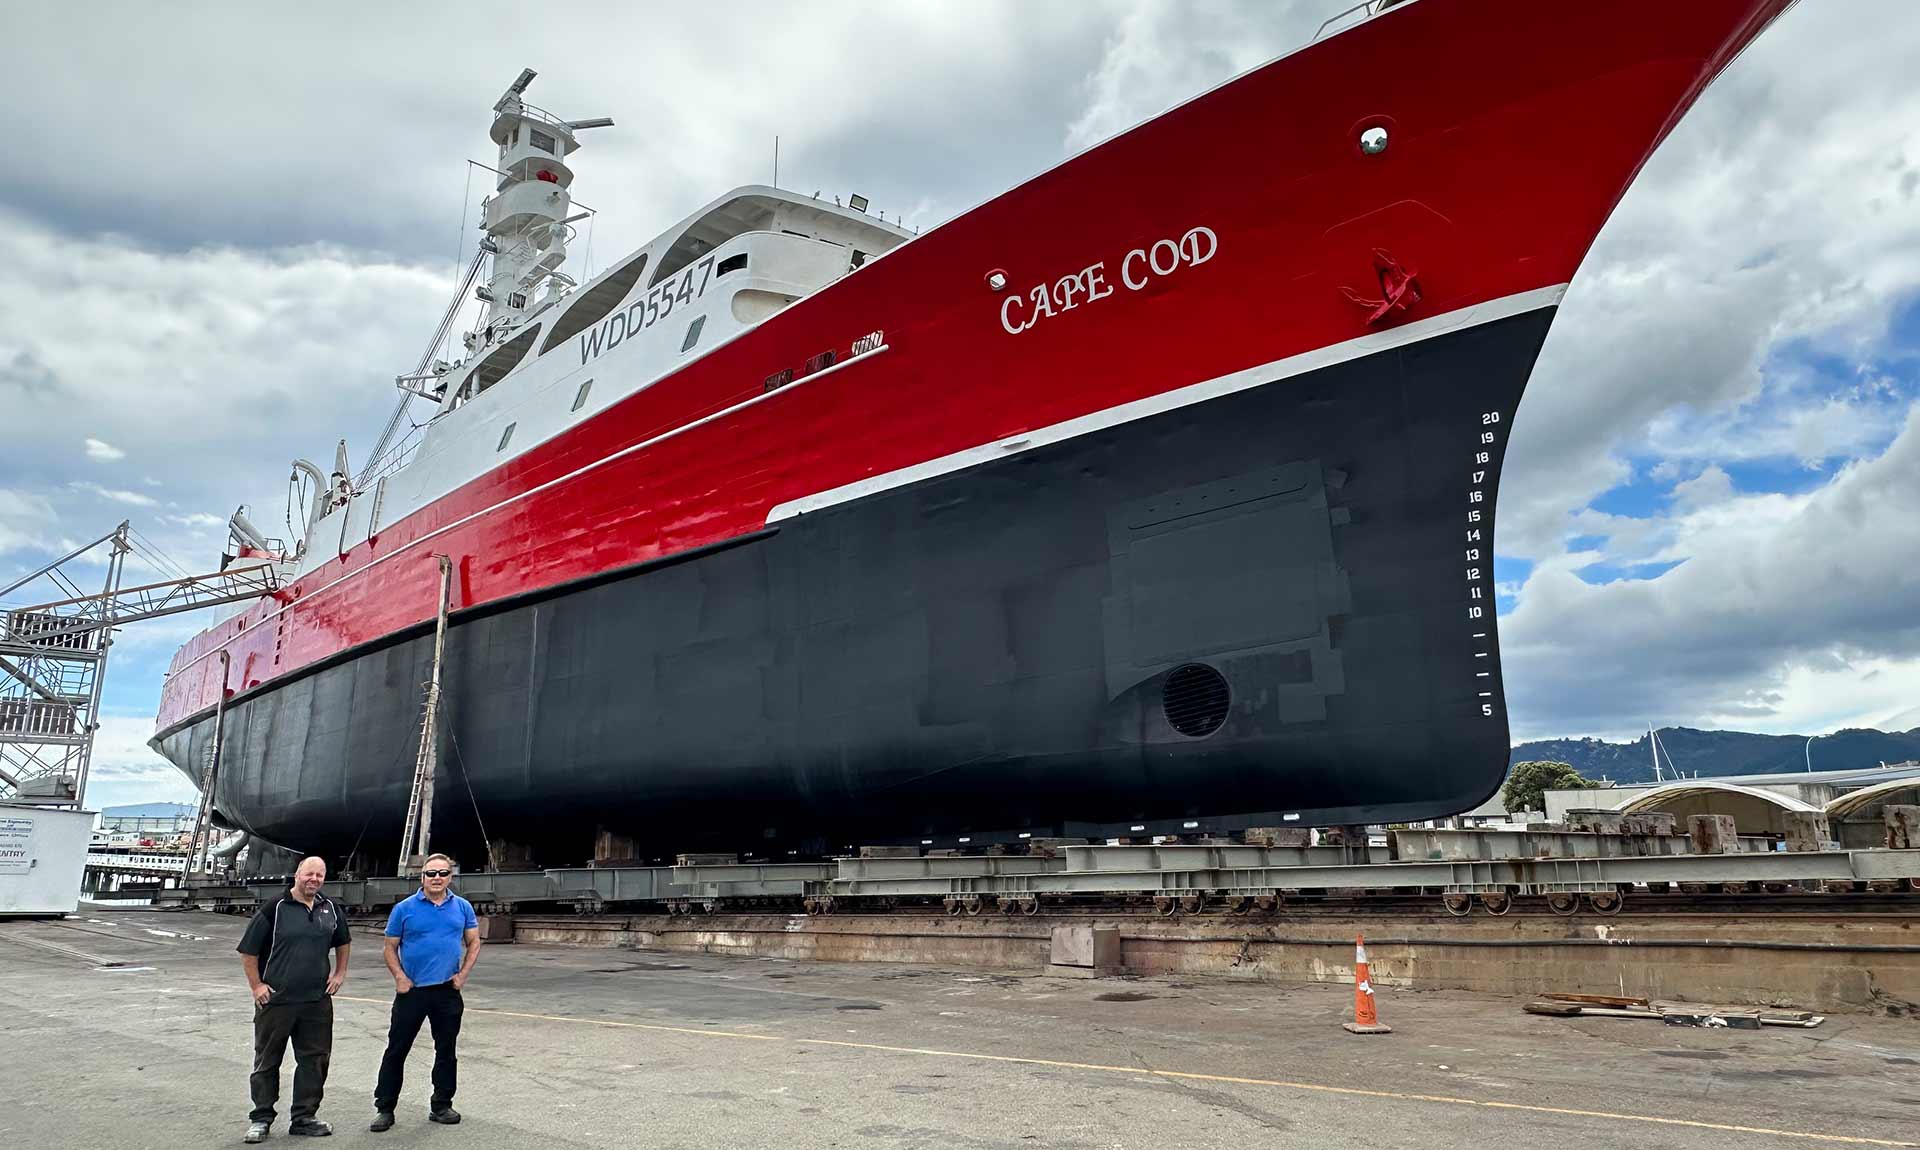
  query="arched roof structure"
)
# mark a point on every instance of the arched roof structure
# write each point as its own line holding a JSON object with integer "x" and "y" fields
{"x": 1858, "y": 820}
{"x": 1755, "y": 810}
{"x": 1857, "y": 802}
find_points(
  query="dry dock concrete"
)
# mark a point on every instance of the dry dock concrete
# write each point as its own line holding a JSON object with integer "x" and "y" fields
{"x": 1812, "y": 961}
{"x": 587, "y": 1047}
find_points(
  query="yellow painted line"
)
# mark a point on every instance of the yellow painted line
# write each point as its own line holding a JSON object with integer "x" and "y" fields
{"x": 1190, "y": 1076}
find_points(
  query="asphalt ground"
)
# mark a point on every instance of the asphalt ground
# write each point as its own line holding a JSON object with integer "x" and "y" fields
{"x": 566, "y": 1047}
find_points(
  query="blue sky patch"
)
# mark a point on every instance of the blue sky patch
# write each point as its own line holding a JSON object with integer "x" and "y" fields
{"x": 1639, "y": 498}
{"x": 1599, "y": 574}
{"x": 1776, "y": 476}
{"x": 1508, "y": 575}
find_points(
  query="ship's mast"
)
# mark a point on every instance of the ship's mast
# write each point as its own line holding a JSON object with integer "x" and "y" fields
{"x": 527, "y": 220}
{"x": 527, "y": 217}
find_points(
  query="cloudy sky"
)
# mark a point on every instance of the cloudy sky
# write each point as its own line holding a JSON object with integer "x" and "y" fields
{"x": 225, "y": 228}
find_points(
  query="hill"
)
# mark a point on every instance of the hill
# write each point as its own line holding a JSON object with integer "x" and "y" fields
{"x": 1716, "y": 753}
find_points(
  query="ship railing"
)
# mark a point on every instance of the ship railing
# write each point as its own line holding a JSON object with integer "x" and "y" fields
{"x": 532, "y": 112}
{"x": 1366, "y": 9}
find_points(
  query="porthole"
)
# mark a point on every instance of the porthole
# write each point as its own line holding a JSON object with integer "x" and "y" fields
{"x": 580, "y": 397}
{"x": 506, "y": 436}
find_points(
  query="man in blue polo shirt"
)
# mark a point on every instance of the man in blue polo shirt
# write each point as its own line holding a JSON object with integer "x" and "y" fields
{"x": 433, "y": 940}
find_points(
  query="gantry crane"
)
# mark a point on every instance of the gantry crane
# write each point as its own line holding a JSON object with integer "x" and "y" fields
{"x": 53, "y": 659}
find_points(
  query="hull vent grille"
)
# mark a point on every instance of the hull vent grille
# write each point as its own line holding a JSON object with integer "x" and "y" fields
{"x": 1196, "y": 699}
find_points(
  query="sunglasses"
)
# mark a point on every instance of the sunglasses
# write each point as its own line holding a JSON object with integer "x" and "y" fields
{"x": 435, "y": 873}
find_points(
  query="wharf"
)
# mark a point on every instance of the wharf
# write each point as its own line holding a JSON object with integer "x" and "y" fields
{"x": 572, "y": 1047}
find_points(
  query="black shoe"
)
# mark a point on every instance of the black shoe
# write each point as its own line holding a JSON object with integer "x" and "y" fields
{"x": 311, "y": 1128}
{"x": 382, "y": 1120}
{"x": 447, "y": 1116}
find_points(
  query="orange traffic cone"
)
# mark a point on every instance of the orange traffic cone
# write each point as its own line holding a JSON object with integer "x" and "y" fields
{"x": 1365, "y": 1020}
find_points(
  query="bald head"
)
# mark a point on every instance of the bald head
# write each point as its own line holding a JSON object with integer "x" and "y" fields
{"x": 309, "y": 876}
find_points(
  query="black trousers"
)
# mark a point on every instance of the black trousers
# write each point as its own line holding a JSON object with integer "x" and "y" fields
{"x": 309, "y": 1025}
{"x": 440, "y": 1007}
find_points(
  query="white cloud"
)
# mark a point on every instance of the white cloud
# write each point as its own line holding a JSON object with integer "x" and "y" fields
{"x": 103, "y": 451}
{"x": 1780, "y": 213}
{"x": 25, "y": 520}
{"x": 1707, "y": 489}
{"x": 1790, "y": 612}
{"x": 1164, "y": 54}
{"x": 1906, "y": 718}
{"x": 370, "y": 153}
{"x": 117, "y": 495}
{"x": 126, "y": 770}
{"x": 1733, "y": 312}
{"x": 255, "y": 359}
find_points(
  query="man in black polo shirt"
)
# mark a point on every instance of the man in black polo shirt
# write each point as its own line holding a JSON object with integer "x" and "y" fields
{"x": 284, "y": 953}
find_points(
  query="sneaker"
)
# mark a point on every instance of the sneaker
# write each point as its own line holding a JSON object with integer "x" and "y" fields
{"x": 256, "y": 1132}
{"x": 311, "y": 1128}
{"x": 382, "y": 1120}
{"x": 446, "y": 1116}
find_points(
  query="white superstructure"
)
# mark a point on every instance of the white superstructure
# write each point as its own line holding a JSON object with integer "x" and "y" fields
{"x": 549, "y": 353}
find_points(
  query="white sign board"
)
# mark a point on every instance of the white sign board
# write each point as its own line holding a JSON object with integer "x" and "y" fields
{"x": 16, "y": 844}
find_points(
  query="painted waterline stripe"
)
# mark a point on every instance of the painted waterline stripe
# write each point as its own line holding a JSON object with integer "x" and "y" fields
{"x": 1280, "y": 369}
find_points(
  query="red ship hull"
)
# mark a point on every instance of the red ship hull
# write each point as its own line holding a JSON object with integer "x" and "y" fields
{"x": 1220, "y": 246}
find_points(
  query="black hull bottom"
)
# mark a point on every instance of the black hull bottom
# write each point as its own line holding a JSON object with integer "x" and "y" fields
{"x": 1017, "y": 647}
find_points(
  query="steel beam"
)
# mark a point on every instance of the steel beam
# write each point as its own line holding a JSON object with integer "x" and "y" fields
{"x": 939, "y": 877}
{"x": 747, "y": 875}
{"x": 1188, "y": 858}
{"x": 117, "y": 606}
{"x": 895, "y": 870}
{"x": 1519, "y": 875}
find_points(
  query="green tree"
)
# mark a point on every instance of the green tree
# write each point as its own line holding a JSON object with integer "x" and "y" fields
{"x": 1529, "y": 782}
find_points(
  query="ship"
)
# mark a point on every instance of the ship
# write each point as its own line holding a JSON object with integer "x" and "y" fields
{"x": 1153, "y": 496}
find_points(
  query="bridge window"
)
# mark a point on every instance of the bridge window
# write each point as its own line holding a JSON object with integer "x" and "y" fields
{"x": 593, "y": 303}
{"x": 500, "y": 361}
{"x": 731, "y": 264}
